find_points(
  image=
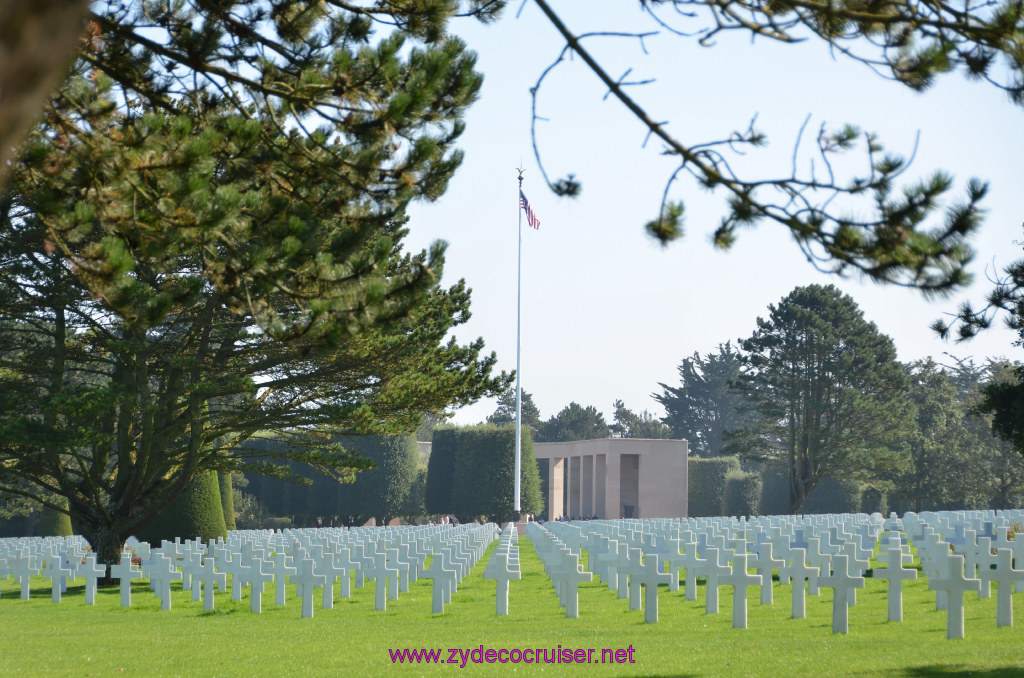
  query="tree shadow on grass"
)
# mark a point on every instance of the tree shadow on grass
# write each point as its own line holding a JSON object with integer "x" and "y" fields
{"x": 941, "y": 671}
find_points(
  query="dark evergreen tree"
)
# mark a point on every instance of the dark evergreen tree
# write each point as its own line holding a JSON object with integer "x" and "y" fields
{"x": 505, "y": 412}
{"x": 832, "y": 397}
{"x": 574, "y": 422}
{"x": 202, "y": 239}
{"x": 709, "y": 401}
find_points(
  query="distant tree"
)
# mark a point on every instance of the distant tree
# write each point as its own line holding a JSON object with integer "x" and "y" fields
{"x": 505, "y": 413}
{"x": 629, "y": 424}
{"x": 943, "y": 473}
{"x": 574, "y": 422}
{"x": 708, "y": 403}
{"x": 831, "y": 395}
{"x": 994, "y": 456}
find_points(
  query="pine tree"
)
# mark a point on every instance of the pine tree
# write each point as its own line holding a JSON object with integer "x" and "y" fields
{"x": 831, "y": 395}
{"x": 574, "y": 422}
{"x": 191, "y": 253}
{"x": 709, "y": 401}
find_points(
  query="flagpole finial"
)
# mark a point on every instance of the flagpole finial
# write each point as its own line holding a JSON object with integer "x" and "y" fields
{"x": 520, "y": 175}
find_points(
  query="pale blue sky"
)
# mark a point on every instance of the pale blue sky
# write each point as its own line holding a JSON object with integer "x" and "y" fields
{"x": 608, "y": 313}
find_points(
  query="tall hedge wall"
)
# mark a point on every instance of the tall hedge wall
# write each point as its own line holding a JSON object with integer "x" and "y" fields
{"x": 378, "y": 493}
{"x": 707, "y": 485}
{"x": 472, "y": 473}
{"x": 198, "y": 512}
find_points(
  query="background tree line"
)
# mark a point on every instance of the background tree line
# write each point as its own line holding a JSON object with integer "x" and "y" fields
{"x": 816, "y": 394}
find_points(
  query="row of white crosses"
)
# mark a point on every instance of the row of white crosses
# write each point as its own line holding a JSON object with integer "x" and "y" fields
{"x": 454, "y": 554}
{"x": 60, "y": 559}
{"x": 808, "y": 553}
{"x": 561, "y": 564}
{"x": 503, "y": 567}
{"x": 325, "y": 559}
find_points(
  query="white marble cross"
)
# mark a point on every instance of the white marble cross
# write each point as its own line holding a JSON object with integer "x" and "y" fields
{"x": 254, "y": 576}
{"x": 92, "y": 571}
{"x": 635, "y": 569}
{"x": 713, "y": 569}
{"x": 280, "y": 568}
{"x": 765, "y": 564}
{"x": 650, "y": 578}
{"x": 351, "y": 565}
{"x": 798, "y": 572}
{"x": 842, "y": 585}
{"x": 1005, "y": 577}
{"x": 56, "y": 573}
{"x": 23, "y": 566}
{"x": 443, "y": 580}
{"x": 692, "y": 562}
{"x": 307, "y": 580}
{"x": 162, "y": 573}
{"x": 328, "y": 566}
{"x": 674, "y": 561}
{"x": 740, "y": 579}
{"x": 205, "y": 579}
{"x": 568, "y": 574}
{"x": 125, "y": 571}
{"x": 501, "y": 572}
{"x": 381, "y": 572}
{"x": 895, "y": 574}
{"x": 955, "y": 585}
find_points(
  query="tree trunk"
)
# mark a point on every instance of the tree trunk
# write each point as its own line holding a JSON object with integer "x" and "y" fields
{"x": 107, "y": 542}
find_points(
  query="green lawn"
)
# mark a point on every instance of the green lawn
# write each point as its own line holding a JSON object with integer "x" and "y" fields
{"x": 72, "y": 639}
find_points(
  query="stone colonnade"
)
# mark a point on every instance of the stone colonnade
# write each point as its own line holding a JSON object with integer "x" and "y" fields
{"x": 615, "y": 478}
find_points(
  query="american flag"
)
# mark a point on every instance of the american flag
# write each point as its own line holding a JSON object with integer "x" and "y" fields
{"x": 531, "y": 218}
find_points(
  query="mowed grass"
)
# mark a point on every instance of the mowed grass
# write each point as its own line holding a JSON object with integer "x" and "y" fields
{"x": 41, "y": 638}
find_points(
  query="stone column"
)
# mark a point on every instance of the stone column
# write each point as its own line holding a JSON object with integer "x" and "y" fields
{"x": 556, "y": 488}
{"x": 587, "y": 485}
{"x": 611, "y": 487}
{"x": 600, "y": 481}
{"x": 574, "y": 487}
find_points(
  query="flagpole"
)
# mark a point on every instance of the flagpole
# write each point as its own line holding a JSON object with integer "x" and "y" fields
{"x": 519, "y": 383}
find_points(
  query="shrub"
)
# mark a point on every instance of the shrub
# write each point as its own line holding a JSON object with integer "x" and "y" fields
{"x": 707, "y": 485}
{"x": 742, "y": 494}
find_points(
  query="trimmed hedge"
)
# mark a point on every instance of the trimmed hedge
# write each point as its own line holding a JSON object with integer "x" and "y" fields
{"x": 439, "y": 492}
{"x": 707, "y": 485}
{"x": 198, "y": 512}
{"x": 834, "y": 496}
{"x": 227, "y": 498}
{"x": 380, "y": 492}
{"x": 472, "y": 473}
{"x": 742, "y": 494}
{"x": 53, "y": 523}
{"x": 774, "y": 490}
